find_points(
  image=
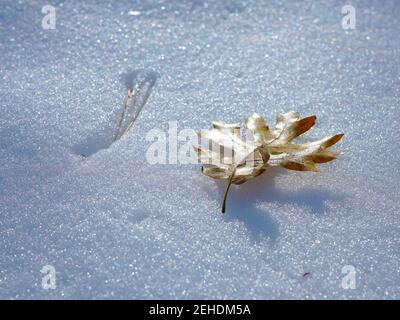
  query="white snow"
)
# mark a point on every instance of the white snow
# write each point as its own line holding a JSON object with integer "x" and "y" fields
{"x": 114, "y": 226}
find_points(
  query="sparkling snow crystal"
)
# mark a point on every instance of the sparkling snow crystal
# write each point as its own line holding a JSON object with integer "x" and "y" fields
{"x": 114, "y": 226}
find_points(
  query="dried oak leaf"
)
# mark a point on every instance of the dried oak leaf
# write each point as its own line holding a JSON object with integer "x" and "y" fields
{"x": 226, "y": 154}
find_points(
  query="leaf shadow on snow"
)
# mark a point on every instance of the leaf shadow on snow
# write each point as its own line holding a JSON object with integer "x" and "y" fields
{"x": 242, "y": 203}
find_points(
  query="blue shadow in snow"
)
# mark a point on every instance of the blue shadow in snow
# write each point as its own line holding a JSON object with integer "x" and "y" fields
{"x": 241, "y": 203}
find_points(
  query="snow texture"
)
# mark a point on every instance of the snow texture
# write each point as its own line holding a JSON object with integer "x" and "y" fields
{"x": 114, "y": 226}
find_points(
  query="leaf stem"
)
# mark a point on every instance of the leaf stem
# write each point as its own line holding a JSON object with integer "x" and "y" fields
{"x": 227, "y": 190}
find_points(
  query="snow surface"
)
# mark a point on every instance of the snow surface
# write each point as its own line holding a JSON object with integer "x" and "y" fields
{"x": 115, "y": 226}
